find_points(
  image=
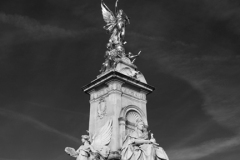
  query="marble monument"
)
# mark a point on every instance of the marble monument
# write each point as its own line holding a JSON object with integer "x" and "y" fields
{"x": 118, "y": 113}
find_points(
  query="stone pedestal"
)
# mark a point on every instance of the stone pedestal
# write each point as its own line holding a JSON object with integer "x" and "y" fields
{"x": 118, "y": 97}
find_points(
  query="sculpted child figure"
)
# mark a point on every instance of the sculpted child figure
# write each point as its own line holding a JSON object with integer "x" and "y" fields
{"x": 96, "y": 147}
{"x": 85, "y": 149}
{"x": 137, "y": 145}
{"x": 84, "y": 152}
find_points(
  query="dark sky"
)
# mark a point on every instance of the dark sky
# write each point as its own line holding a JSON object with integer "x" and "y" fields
{"x": 49, "y": 49}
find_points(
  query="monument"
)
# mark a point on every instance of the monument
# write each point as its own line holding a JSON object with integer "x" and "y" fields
{"x": 118, "y": 113}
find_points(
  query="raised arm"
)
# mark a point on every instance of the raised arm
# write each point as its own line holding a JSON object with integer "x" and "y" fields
{"x": 116, "y": 9}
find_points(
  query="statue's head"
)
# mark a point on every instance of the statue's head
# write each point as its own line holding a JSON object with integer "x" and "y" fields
{"x": 120, "y": 12}
{"x": 85, "y": 138}
{"x": 123, "y": 15}
{"x": 130, "y": 54}
{"x": 140, "y": 124}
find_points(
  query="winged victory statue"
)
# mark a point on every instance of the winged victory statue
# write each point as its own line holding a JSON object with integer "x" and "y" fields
{"x": 115, "y": 26}
{"x": 116, "y": 23}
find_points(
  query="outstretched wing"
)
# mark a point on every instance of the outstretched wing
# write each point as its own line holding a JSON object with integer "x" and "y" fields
{"x": 108, "y": 17}
{"x": 103, "y": 137}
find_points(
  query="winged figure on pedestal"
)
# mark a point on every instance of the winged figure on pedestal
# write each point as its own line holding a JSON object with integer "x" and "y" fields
{"x": 95, "y": 147}
{"x": 115, "y": 24}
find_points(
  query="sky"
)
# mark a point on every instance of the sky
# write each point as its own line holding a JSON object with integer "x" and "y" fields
{"x": 49, "y": 49}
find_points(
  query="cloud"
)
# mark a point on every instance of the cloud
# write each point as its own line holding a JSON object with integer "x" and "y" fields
{"x": 33, "y": 104}
{"x": 143, "y": 36}
{"x": 205, "y": 149}
{"x": 7, "y": 159}
{"x": 33, "y": 26}
{"x": 40, "y": 31}
{"x": 214, "y": 72}
{"x": 222, "y": 103}
{"x": 223, "y": 108}
{"x": 225, "y": 11}
{"x": 37, "y": 123}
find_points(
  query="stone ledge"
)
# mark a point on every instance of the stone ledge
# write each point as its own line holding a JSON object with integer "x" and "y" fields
{"x": 116, "y": 76}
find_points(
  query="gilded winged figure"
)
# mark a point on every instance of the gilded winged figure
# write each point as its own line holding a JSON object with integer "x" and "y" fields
{"x": 116, "y": 24}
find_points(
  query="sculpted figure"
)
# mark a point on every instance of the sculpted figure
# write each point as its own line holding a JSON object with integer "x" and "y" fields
{"x": 95, "y": 148}
{"x": 84, "y": 151}
{"x": 115, "y": 24}
{"x": 108, "y": 61}
{"x": 137, "y": 145}
{"x": 133, "y": 57}
{"x": 111, "y": 60}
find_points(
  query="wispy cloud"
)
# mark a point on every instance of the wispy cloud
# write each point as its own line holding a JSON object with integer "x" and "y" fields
{"x": 221, "y": 103}
{"x": 7, "y": 159}
{"x": 38, "y": 30}
{"x": 139, "y": 35}
{"x": 205, "y": 149}
{"x": 37, "y": 123}
{"x": 223, "y": 106}
{"x": 224, "y": 10}
{"x": 212, "y": 74}
{"x": 33, "y": 104}
{"x": 33, "y": 26}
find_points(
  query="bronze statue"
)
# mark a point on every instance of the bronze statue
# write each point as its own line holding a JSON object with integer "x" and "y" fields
{"x": 115, "y": 24}
{"x": 111, "y": 59}
{"x": 133, "y": 57}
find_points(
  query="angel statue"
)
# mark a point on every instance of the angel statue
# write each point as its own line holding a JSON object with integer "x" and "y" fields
{"x": 115, "y": 24}
{"x": 138, "y": 146}
{"x": 94, "y": 148}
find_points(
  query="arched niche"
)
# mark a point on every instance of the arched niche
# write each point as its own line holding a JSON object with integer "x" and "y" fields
{"x": 128, "y": 117}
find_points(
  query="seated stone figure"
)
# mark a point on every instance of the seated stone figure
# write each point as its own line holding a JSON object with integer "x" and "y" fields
{"x": 137, "y": 145}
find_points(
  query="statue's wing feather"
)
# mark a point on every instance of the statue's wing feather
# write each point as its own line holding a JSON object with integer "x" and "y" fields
{"x": 108, "y": 17}
{"x": 107, "y": 136}
{"x": 103, "y": 137}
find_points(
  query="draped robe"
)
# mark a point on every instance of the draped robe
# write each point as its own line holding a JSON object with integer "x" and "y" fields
{"x": 132, "y": 151}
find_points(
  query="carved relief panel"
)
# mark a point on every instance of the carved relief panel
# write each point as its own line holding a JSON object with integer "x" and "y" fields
{"x": 101, "y": 108}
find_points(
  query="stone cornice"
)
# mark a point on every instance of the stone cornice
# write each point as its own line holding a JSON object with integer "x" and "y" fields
{"x": 116, "y": 76}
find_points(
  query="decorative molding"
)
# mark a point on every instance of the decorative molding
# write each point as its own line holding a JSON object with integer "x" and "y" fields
{"x": 101, "y": 108}
{"x": 135, "y": 94}
{"x": 116, "y": 76}
{"x": 99, "y": 93}
{"x": 115, "y": 85}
